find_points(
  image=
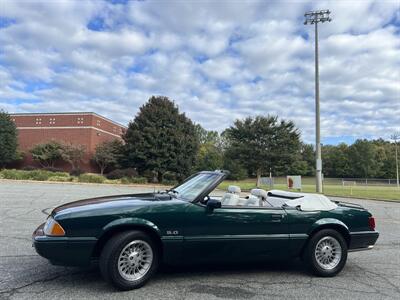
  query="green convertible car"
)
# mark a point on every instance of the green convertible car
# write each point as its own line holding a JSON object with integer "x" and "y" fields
{"x": 130, "y": 235}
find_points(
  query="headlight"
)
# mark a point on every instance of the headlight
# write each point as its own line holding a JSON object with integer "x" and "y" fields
{"x": 52, "y": 228}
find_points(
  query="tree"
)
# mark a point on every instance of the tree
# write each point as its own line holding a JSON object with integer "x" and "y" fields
{"x": 362, "y": 158}
{"x": 262, "y": 143}
{"x": 207, "y": 136}
{"x": 47, "y": 153}
{"x": 8, "y": 139}
{"x": 336, "y": 161}
{"x": 209, "y": 157}
{"x": 161, "y": 139}
{"x": 304, "y": 161}
{"x": 73, "y": 154}
{"x": 107, "y": 154}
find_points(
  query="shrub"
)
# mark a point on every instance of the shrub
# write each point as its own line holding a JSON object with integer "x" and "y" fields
{"x": 169, "y": 176}
{"x": 60, "y": 178}
{"x": 76, "y": 172}
{"x": 52, "y": 169}
{"x": 151, "y": 176}
{"x": 170, "y": 182}
{"x": 47, "y": 153}
{"x": 91, "y": 178}
{"x": 58, "y": 174}
{"x": 29, "y": 168}
{"x": 125, "y": 180}
{"x": 138, "y": 180}
{"x": 15, "y": 174}
{"x": 120, "y": 173}
{"x": 38, "y": 175}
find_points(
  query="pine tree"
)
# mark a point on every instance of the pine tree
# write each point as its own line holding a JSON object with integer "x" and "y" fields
{"x": 262, "y": 143}
{"x": 8, "y": 139}
{"x": 160, "y": 139}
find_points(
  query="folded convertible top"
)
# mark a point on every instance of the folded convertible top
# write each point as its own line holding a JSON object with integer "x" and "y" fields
{"x": 307, "y": 202}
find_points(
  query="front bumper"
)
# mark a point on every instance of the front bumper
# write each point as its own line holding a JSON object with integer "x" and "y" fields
{"x": 362, "y": 240}
{"x": 66, "y": 251}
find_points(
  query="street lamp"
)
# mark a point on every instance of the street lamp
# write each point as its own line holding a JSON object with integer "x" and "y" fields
{"x": 396, "y": 137}
{"x": 313, "y": 18}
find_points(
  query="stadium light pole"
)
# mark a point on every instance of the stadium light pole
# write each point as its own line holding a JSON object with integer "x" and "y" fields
{"x": 313, "y": 18}
{"x": 396, "y": 137}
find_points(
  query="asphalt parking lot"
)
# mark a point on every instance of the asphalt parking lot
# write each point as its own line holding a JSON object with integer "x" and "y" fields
{"x": 25, "y": 275}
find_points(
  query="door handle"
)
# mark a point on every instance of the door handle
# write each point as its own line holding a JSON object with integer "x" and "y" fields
{"x": 277, "y": 217}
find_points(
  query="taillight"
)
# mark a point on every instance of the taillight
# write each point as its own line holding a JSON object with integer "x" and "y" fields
{"x": 371, "y": 223}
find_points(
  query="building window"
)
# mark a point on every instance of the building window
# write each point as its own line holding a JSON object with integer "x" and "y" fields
{"x": 98, "y": 123}
{"x": 79, "y": 121}
{"x": 52, "y": 121}
{"x": 38, "y": 121}
{"x": 115, "y": 129}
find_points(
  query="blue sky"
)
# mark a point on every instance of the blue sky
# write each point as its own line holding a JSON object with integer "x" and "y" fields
{"x": 218, "y": 61}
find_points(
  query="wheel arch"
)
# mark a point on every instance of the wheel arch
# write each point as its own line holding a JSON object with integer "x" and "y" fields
{"x": 328, "y": 223}
{"x": 128, "y": 224}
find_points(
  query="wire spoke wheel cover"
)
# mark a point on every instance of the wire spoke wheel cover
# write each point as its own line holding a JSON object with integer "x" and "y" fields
{"x": 328, "y": 252}
{"x": 135, "y": 260}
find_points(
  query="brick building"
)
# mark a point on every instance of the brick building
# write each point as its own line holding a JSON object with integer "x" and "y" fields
{"x": 84, "y": 128}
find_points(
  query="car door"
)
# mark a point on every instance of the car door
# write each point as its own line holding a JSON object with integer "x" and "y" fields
{"x": 235, "y": 233}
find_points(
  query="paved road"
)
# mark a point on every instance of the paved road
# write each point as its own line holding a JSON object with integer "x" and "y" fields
{"x": 24, "y": 275}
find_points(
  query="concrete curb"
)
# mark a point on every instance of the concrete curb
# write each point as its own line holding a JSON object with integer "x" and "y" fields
{"x": 358, "y": 198}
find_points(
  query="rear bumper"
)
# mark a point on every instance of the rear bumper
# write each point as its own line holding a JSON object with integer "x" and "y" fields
{"x": 66, "y": 251}
{"x": 362, "y": 240}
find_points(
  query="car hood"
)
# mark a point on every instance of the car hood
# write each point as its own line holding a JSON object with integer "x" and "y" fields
{"x": 112, "y": 201}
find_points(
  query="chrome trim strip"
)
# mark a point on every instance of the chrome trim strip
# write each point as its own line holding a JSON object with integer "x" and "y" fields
{"x": 361, "y": 249}
{"x": 45, "y": 238}
{"x": 298, "y": 236}
{"x": 363, "y": 232}
{"x": 237, "y": 237}
{"x": 172, "y": 238}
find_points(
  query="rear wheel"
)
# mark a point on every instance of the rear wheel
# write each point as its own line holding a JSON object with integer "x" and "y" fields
{"x": 326, "y": 253}
{"x": 129, "y": 260}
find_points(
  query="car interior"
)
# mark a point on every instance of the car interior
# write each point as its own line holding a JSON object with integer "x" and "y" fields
{"x": 256, "y": 198}
{"x": 275, "y": 198}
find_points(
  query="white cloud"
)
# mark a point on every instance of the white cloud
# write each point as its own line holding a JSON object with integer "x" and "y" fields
{"x": 218, "y": 60}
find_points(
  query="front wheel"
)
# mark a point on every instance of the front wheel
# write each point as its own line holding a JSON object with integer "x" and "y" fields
{"x": 326, "y": 253}
{"x": 129, "y": 259}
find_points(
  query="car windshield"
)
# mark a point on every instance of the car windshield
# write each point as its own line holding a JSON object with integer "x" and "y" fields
{"x": 193, "y": 187}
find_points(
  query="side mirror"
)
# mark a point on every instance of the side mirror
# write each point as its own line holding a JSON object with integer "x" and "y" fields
{"x": 212, "y": 204}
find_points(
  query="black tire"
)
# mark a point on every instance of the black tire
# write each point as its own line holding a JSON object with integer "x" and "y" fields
{"x": 110, "y": 254}
{"x": 310, "y": 258}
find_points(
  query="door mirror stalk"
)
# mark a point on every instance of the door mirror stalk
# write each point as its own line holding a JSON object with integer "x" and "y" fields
{"x": 213, "y": 204}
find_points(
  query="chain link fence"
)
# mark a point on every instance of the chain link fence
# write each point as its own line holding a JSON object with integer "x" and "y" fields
{"x": 343, "y": 181}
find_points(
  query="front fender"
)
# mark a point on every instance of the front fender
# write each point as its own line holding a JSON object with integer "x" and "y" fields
{"x": 130, "y": 222}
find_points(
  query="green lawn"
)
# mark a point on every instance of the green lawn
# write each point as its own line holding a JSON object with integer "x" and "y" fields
{"x": 367, "y": 192}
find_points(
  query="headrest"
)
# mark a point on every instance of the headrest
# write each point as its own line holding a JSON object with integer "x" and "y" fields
{"x": 259, "y": 193}
{"x": 234, "y": 189}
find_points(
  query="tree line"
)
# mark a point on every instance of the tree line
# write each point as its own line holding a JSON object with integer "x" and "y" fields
{"x": 163, "y": 144}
